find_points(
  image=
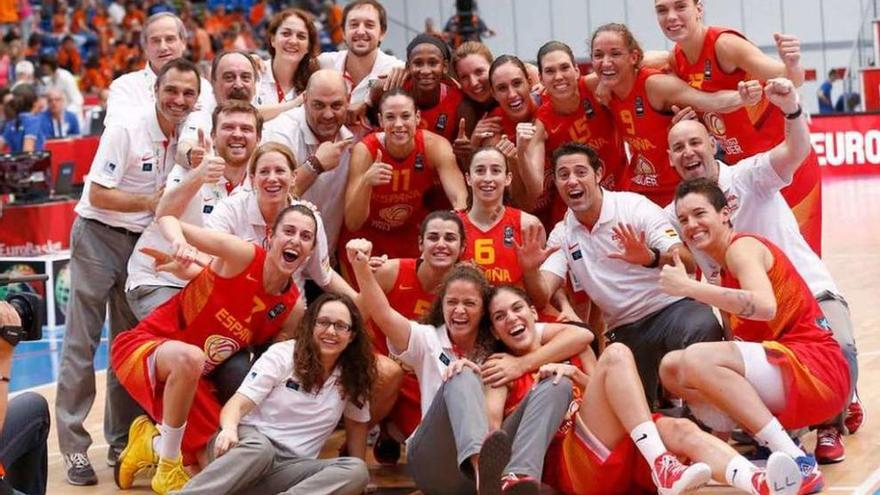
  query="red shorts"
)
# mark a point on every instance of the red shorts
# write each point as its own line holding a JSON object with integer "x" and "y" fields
{"x": 573, "y": 466}
{"x": 131, "y": 357}
{"x": 407, "y": 412}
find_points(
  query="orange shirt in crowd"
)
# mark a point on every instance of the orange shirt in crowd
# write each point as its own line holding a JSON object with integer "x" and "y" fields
{"x": 8, "y": 11}
{"x": 70, "y": 59}
{"x": 135, "y": 16}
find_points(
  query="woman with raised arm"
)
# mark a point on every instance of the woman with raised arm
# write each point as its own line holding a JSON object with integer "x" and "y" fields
{"x": 243, "y": 296}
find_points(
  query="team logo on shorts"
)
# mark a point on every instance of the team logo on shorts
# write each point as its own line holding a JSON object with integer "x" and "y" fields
{"x": 640, "y": 107}
{"x": 508, "y": 236}
{"x": 441, "y": 122}
{"x": 707, "y": 70}
{"x": 218, "y": 348}
{"x": 275, "y": 311}
{"x": 588, "y": 108}
{"x": 715, "y": 124}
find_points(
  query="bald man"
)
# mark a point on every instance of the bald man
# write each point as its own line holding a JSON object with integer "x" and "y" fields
{"x": 321, "y": 143}
{"x": 752, "y": 188}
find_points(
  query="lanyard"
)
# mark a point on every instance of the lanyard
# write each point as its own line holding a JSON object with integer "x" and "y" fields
{"x": 281, "y": 98}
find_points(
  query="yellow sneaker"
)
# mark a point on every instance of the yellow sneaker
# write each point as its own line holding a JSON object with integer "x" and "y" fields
{"x": 170, "y": 476}
{"x": 138, "y": 453}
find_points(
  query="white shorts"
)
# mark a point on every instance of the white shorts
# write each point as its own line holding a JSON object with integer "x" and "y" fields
{"x": 765, "y": 377}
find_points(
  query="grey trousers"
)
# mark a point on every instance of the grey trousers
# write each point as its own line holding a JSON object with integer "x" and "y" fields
{"x": 256, "y": 466}
{"x": 454, "y": 428}
{"x": 837, "y": 312}
{"x": 145, "y": 298}
{"x": 98, "y": 261}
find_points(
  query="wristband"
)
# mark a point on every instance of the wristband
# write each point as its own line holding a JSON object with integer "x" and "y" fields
{"x": 309, "y": 164}
{"x": 656, "y": 261}
{"x": 796, "y": 114}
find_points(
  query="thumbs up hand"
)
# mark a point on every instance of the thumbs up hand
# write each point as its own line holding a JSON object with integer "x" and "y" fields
{"x": 379, "y": 173}
{"x": 674, "y": 279}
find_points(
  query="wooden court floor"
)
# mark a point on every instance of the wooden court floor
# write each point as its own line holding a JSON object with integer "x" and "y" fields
{"x": 852, "y": 252}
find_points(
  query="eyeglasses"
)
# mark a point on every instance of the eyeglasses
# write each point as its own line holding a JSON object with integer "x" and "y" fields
{"x": 339, "y": 326}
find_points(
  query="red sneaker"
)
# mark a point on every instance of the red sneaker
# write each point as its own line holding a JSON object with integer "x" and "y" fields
{"x": 855, "y": 415}
{"x": 519, "y": 484}
{"x": 672, "y": 477}
{"x": 829, "y": 446}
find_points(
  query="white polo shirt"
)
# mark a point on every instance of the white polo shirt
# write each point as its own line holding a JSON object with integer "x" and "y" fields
{"x": 383, "y": 65}
{"x": 267, "y": 90}
{"x": 752, "y": 189}
{"x": 133, "y": 157}
{"x": 136, "y": 91}
{"x": 240, "y": 215}
{"x": 141, "y": 268}
{"x": 291, "y": 129}
{"x": 297, "y": 422}
{"x": 623, "y": 291}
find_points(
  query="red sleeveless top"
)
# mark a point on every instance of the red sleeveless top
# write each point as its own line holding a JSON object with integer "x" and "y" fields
{"x": 741, "y": 133}
{"x": 494, "y": 250}
{"x": 645, "y": 131}
{"x": 223, "y": 315}
{"x": 443, "y": 117}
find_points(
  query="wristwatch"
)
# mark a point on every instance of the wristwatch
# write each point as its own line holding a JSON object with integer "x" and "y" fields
{"x": 313, "y": 165}
{"x": 797, "y": 113}
{"x": 656, "y": 261}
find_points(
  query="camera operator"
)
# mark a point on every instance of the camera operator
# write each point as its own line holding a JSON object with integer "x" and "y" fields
{"x": 24, "y": 424}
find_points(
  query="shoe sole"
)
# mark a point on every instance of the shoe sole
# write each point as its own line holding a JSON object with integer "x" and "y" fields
{"x": 494, "y": 456}
{"x": 696, "y": 477}
{"x": 81, "y": 483}
{"x": 524, "y": 488}
{"x": 783, "y": 475}
{"x": 824, "y": 461}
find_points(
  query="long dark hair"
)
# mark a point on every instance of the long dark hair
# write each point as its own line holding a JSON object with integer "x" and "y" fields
{"x": 309, "y": 63}
{"x": 357, "y": 362}
{"x": 485, "y": 343}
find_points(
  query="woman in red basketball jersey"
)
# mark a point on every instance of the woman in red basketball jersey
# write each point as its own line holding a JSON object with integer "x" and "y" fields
{"x": 244, "y": 296}
{"x": 642, "y": 101}
{"x": 492, "y": 229}
{"x": 389, "y": 175}
{"x": 712, "y": 58}
{"x": 784, "y": 370}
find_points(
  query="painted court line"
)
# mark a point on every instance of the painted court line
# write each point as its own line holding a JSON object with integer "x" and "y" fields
{"x": 869, "y": 486}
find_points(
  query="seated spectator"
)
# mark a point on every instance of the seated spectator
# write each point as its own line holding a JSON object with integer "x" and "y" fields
{"x": 22, "y": 131}
{"x": 68, "y": 55}
{"x": 134, "y": 17}
{"x": 56, "y": 122}
{"x": 848, "y": 102}
{"x": 55, "y": 76}
{"x": 97, "y": 76}
{"x": 24, "y": 74}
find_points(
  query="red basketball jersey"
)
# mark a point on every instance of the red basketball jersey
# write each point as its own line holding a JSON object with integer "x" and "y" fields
{"x": 798, "y": 340}
{"x": 211, "y": 314}
{"x": 443, "y": 117}
{"x": 397, "y": 208}
{"x": 645, "y": 131}
{"x": 494, "y": 250}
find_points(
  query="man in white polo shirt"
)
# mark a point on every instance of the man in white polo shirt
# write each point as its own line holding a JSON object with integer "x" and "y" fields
{"x": 191, "y": 194}
{"x": 614, "y": 244}
{"x": 121, "y": 193}
{"x": 321, "y": 143}
{"x": 364, "y": 23}
{"x": 163, "y": 38}
{"x": 752, "y": 188}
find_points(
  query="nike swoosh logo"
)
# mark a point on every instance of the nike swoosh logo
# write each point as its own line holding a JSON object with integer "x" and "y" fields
{"x": 556, "y": 129}
{"x": 250, "y": 278}
{"x": 405, "y": 287}
{"x": 735, "y": 472}
{"x": 644, "y": 436}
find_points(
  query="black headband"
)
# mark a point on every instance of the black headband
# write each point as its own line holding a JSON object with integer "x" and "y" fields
{"x": 431, "y": 40}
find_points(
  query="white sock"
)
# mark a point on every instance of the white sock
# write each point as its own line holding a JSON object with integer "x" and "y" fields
{"x": 647, "y": 439}
{"x": 170, "y": 439}
{"x": 773, "y": 436}
{"x": 738, "y": 473}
